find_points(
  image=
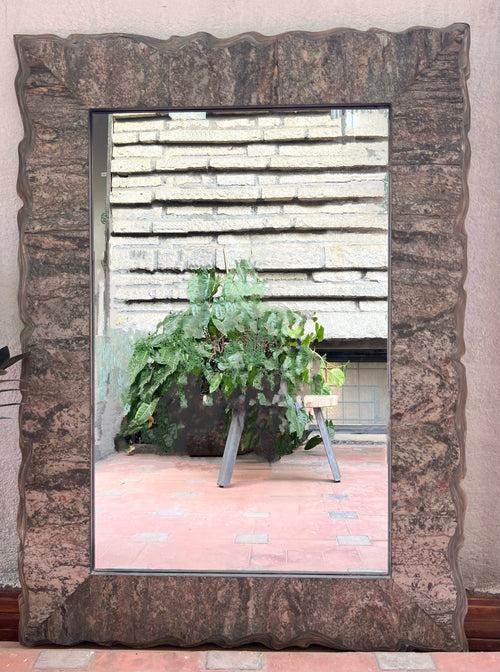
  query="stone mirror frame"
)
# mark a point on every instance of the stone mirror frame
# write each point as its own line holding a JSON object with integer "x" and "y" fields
{"x": 420, "y": 74}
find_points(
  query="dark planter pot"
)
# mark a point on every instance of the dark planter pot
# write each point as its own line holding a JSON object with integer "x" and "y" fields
{"x": 203, "y": 429}
{"x": 265, "y": 435}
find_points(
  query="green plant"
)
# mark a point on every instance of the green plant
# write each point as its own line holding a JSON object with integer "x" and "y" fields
{"x": 6, "y": 361}
{"x": 234, "y": 343}
{"x": 162, "y": 432}
{"x": 267, "y": 433}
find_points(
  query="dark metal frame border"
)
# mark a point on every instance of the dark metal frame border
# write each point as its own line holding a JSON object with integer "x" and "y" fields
{"x": 420, "y": 74}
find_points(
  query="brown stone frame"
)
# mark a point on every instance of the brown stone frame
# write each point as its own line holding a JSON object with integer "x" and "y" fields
{"x": 421, "y": 74}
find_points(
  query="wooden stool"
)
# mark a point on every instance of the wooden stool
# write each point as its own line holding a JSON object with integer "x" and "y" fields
{"x": 309, "y": 401}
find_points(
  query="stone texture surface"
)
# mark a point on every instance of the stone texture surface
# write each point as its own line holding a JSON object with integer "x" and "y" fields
{"x": 69, "y": 659}
{"x": 405, "y": 661}
{"x": 231, "y": 660}
{"x": 417, "y": 72}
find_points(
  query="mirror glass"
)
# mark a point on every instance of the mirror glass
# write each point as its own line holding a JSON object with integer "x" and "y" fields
{"x": 240, "y": 332}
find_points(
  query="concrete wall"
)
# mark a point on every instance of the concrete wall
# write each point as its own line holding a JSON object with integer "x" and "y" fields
{"x": 260, "y": 187}
{"x": 481, "y": 554}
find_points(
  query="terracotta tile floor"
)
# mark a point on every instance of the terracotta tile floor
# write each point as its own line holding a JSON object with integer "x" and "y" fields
{"x": 167, "y": 513}
{"x": 15, "y": 658}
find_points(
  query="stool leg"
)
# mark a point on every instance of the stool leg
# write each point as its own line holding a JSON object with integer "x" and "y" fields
{"x": 323, "y": 430}
{"x": 232, "y": 445}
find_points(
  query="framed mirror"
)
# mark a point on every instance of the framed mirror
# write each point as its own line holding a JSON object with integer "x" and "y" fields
{"x": 241, "y": 258}
{"x": 242, "y": 287}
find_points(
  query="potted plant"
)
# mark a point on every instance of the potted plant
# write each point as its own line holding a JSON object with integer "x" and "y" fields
{"x": 228, "y": 342}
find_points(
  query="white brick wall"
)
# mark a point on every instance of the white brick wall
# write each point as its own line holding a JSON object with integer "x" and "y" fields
{"x": 173, "y": 286}
{"x": 140, "y": 158}
{"x": 301, "y": 195}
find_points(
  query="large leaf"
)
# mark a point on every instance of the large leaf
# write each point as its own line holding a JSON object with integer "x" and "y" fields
{"x": 144, "y": 411}
{"x": 215, "y": 381}
{"x": 336, "y": 376}
{"x": 4, "y": 354}
{"x": 168, "y": 355}
{"x": 242, "y": 283}
{"x": 6, "y": 363}
{"x": 144, "y": 382}
{"x": 168, "y": 327}
{"x": 313, "y": 442}
{"x": 319, "y": 331}
{"x": 139, "y": 359}
{"x": 158, "y": 378}
{"x": 196, "y": 323}
{"x": 297, "y": 417}
{"x": 202, "y": 286}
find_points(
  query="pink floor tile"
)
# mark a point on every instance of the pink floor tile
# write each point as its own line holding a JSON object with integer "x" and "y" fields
{"x": 375, "y": 556}
{"x": 167, "y": 513}
{"x": 470, "y": 662}
{"x": 147, "y": 661}
{"x": 309, "y": 661}
{"x": 269, "y": 561}
{"x": 16, "y": 658}
{"x": 318, "y": 528}
{"x": 376, "y": 524}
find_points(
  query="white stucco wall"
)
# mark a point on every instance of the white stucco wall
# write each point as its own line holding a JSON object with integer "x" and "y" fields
{"x": 481, "y": 554}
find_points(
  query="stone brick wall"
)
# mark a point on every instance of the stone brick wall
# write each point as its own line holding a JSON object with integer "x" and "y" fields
{"x": 302, "y": 195}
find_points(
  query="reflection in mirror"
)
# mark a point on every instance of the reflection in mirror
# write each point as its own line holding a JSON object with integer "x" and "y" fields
{"x": 241, "y": 396}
